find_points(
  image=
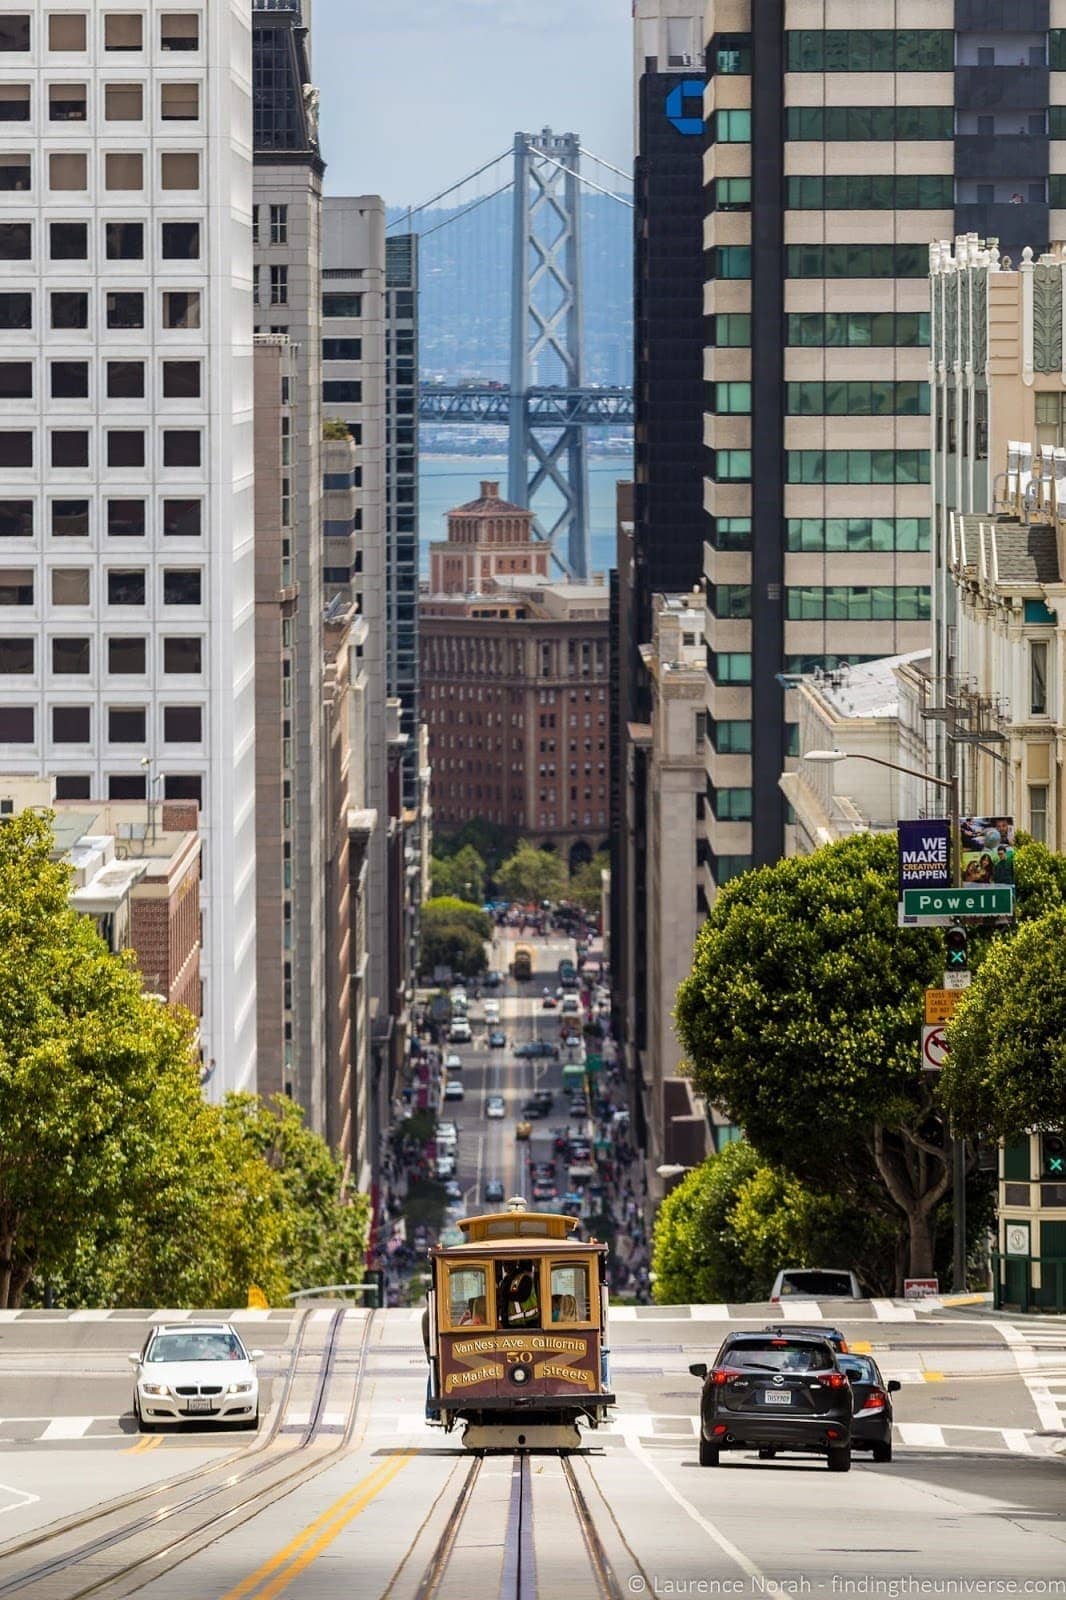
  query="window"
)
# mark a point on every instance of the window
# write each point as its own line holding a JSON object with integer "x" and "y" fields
{"x": 858, "y": 603}
{"x": 731, "y": 805}
{"x": 731, "y": 533}
{"x": 122, "y": 31}
{"x": 861, "y": 192}
{"x": 182, "y": 724}
{"x": 16, "y": 448}
{"x": 125, "y": 309}
{"x": 125, "y": 519}
{"x": 70, "y": 519}
{"x": 124, "y": 241}
{"x": 184, "y": 656}
{"x": 127, "y": 657}
{"x": 16, "y": 241}
{"x": 125, "y": 586}
{"x": 70, "y": 586}
{"x": 279, "y": 224}
{"x": 570, "y": 1293}
{"x": 856, "y": 261}
{"x": 181, "y": 241}
{"x": 731, "y": 599}
{"x": 125, "y": 447}
{"x": 731, "y": 194}
{"x": 181, "y": 309}
{"x": 857, "y": 398}
{"x": 68, "y": 380}
{"x": 14, "y": 33}
{"x": 870, "y": 50}
{"x": 16, "y": 311}
{"x": 183, "y": 786}
{"x": 71, "y": 724}
{"x": 16, "y": 658}
{"x": 731, "y": 466}
{"x": 16, "y": 586}
{"x": 860, "y": 124}
{"x": 125, "y": 724}
{"x": 16, "y": 519}
{"x": 255, "y": 224}
{"x": 73, "y": 785}
{"x": 66, "y": 34}
{"x": 732, "y": 399}
{"x": 69, "y": 309}
{"x": 730, "y": 666}
{"x": 182, "y": 519}
{"x": 123, "y": 170}
{"x": 179, "y": 102}
{"x": 729, "y": 261}
{"x": 68, "y": 241}
{"x": 181, "y": 586}
{"x": 857, "y": 533}
{"x": 180, "y": 169}
{"x": 342, "y": 349}
{"x": 342, "y": 305}
{"x": 858, "y": 329}
{"x": 181, "y": 380}
{"x": 68, "y": 171}
{"x": 123, "y": 102}
{"x": 179, "y": 30}
{"x": 857, "y": 466}
{"x": 15, "y": 171}
{"x": 127, "y": 786}
{"x": 181, "y": 447}
{"x": 730, "y": 53}
{"x": 279, "y": 286}
{"x": 1038, "y": 805}
{"x": 467, "y": 1305}
{"x": 70, "y": 447}
{"x": 16, "y": 380}
{"x": 1038, "y": 659}
{"x": 16, "y": 725}
{"x": 731, "y": 738}
{"x": 343, "y": 392}
{"x": 71, "y": 657}
{"x": 731, "y": 127}
{"x": 66, "y": 102}
{"x": 125, "y": 380}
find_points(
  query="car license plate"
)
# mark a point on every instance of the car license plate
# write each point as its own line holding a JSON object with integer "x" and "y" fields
{"x": 201, "y": 1403}
{"x": 777, "y": 1397}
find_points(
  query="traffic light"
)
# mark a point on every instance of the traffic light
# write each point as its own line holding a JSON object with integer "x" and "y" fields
{"x": 957, "y": 958}
{"x": 1053, "y": 1156}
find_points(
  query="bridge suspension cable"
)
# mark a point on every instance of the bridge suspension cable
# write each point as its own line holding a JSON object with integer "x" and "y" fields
{"x": 457, "y": 216}
{"x": 600, "y": 162}
{"x": 586, "y": 183}
{"x": 413, "y": 211}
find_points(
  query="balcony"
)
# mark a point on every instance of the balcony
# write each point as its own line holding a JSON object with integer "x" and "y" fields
{"x": 1013, "y": 226}
{"x": 1020, "y": 156}
{"x": 1002, "y": 16}
{"x": 1001, "y": 88}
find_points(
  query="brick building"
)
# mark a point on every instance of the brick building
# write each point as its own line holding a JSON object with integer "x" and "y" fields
{"x": 515, "y": 674}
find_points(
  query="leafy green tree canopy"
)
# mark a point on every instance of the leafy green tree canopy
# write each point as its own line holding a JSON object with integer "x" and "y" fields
{"x": 532, "y": 875}
{"x": 586, "y": 884}
{"x": 461, "y": 875}
{"x": 453, "y": 935}
{"x": 1007, "y": 1068}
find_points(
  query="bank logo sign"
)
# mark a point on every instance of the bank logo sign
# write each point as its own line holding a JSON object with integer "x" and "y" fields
{"x": 688, "y": 89}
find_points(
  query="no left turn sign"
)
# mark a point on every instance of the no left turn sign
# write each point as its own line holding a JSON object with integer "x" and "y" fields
{"x": 934, "y": 1046}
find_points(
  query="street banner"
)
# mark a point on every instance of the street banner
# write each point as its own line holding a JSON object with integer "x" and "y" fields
{"x": 987, "y": 849}
{"x": 924, "y": 854}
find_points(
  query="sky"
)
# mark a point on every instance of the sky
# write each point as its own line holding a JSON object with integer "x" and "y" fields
{"x": 417, "y": 93}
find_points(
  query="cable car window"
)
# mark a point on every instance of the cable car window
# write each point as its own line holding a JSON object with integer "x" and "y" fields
{"x": 466, "y": 1298}
{"x": 517, "y": 1300}
{"x": 570, "y": 1294}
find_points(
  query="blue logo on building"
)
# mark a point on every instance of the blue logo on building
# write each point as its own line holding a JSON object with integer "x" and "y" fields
{"x": 687, "y": 89}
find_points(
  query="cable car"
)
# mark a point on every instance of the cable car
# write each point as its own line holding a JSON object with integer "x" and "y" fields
{"x": 515, "y": 1332}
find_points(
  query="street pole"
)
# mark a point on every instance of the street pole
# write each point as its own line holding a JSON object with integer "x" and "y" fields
{"x": 958, "y": 1146}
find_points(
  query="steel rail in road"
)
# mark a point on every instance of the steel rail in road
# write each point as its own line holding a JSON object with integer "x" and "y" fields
{"x": 518, "y": 1575}
{"x": 216, "y": 1482}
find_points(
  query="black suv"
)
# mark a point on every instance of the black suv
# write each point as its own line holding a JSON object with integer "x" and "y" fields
{"x": 775, "y": 1392}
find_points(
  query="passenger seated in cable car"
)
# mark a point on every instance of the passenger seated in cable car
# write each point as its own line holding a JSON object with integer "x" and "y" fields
{"x": 564, "y": 1308}
{"x": 516, "y": 1295}
{"x": 475, "y": 1315}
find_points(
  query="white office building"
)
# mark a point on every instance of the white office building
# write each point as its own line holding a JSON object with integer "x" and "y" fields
{"x": 126, "y": 531}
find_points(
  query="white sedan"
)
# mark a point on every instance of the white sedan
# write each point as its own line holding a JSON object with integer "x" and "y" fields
{"x": 192, "y": 1372}
{"x": 494, "y": 1106}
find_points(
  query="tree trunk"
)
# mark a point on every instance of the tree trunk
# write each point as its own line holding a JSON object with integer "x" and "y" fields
{"x": 920, "y": 1238}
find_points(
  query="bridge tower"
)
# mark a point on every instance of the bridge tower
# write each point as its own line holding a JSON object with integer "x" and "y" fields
{"x": 547, "y": 320}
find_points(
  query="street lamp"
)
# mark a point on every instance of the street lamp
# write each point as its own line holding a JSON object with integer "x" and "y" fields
{"x": 958, "y": 1146}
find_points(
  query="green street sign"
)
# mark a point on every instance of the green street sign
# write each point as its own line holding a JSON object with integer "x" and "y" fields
{"x": 931, "y": 904}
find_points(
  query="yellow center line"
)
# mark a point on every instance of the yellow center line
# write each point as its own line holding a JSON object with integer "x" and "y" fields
{"x": 300, "y": 1551}
{"x": 144, "y": 1445}
{"x": 933, "y": 1377}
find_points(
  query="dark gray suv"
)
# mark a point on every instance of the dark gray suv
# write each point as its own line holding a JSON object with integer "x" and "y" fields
{"x": 775, "y": 1392}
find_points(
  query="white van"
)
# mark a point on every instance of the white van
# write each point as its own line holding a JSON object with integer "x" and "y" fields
{"x": 459, "y": 1032}
{"x": 571, "y": 1006}
{"x": 491, "y": 1011}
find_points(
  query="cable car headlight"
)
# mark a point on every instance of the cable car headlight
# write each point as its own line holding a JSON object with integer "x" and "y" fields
{"x": 520, "y": 1375}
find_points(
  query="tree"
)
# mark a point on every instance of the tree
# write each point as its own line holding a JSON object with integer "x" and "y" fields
{"x": 462, "y": 875}
{"x": 532, "y": 875}
{"x": 801, "y": 1017}
{"x": 1006, "y": 1072}
{"x": 586, "y": 884}
{"x": 454, "y": 934}
{"x": 83, "y": 1058}
{"x": 734, "y": 1221}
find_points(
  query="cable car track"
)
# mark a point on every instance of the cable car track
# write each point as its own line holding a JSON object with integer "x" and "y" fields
{"x": 285, "y": 1471}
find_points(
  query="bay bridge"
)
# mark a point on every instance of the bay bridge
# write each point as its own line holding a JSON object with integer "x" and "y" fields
{"x": 547, "y": 424}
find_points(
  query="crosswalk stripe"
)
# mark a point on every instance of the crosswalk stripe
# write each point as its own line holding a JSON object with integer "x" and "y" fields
{"x": 888, "y": 1311}
{"x": 68, "y": 1428}
{"x": 170, "y": 1316}
{"x": 800, "y": 1311}
{"x": 1016, "y": 1439}
{"x": 920, "y": 1433}
{"x": 89, "y": 1316}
